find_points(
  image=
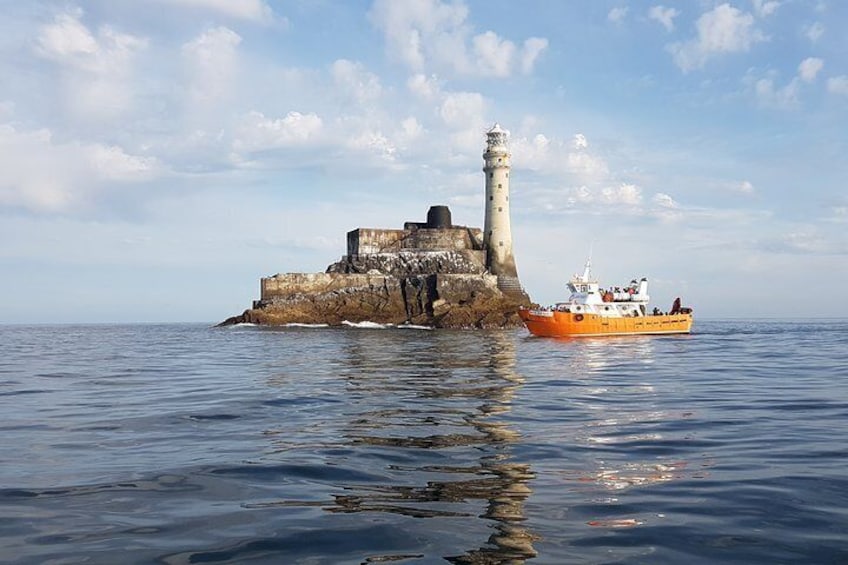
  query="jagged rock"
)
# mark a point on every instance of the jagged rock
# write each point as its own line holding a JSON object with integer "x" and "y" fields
{"x": 438, "y": 300}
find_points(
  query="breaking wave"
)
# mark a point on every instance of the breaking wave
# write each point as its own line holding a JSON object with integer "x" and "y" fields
{"x": 375, "y": 326}
{"x": 366, "y": 325}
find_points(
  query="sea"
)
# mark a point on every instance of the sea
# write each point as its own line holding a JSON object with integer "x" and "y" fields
{"x": 187, "y": 443}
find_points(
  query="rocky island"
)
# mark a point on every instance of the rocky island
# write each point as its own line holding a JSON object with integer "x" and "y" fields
{"x": 429, "y": 273}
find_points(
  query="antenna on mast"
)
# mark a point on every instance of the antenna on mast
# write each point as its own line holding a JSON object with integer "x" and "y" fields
{"x": 587, "y": 271}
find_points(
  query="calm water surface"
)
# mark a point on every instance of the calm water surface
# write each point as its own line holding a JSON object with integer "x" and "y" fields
{"x": 189, "y": 444}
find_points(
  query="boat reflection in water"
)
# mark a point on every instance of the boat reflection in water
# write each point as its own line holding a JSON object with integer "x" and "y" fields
{"x": 621, "y": 422}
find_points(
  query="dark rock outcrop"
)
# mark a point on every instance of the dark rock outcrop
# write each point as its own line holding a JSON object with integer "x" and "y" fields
{"x": 438, "y": 300}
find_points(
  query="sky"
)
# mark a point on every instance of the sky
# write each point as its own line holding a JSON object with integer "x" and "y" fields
{"x": 157, "y": 158}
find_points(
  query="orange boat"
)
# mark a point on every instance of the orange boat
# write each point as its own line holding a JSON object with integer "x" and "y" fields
{"x": 591, "y": 311}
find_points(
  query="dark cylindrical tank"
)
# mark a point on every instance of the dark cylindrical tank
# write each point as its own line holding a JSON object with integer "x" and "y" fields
{"x": 439, "y": 217}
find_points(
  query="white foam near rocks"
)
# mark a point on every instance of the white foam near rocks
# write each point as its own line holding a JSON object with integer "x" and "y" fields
{"x": 366, "y": 325}
{"x": 375, "y": 326}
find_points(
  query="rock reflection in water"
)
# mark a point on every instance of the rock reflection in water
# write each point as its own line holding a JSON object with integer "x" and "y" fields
{"x": 441, "y": 406}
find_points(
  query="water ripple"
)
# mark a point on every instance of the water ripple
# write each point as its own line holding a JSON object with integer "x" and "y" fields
{"x": 188, "y": 444}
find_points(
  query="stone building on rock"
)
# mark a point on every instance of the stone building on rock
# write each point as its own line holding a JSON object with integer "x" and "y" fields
{"x": 433, "y": 272}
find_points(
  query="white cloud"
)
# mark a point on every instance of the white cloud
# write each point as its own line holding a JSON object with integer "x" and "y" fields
{"x": 580, "y": 141}
{"x": 431, "y": 33}
{"x": 96, "y": 70}
{"x": 44, "y": 176}
{"x": 809, "y": 68}
{"x": 211, "y": 60}
{"x": 620, "y": 199}
{"x": 804, "y": 242}
{"x": 494, "y": 55}
{"x": 745, "y": 187}
{"x": 374, "y": 142}
{"x": 66, "y": 37}
{"x": 617, "y": 14}
{"x": 257, "y": 132}
{"x": 628, "y": 194}
{"x": 411, "y": 128}
{"x": 464, "y": 115}
{"x": 307, "y": 138}
{"x": 770, "y": 94}
{"x": 765, "y": 8}
{"x": 571, "y": 160}
{"x": 724, "y": 29}
{"x": 423, "y": 86}
{"x": 664, "y": 15}
{"x": 533, "y": 47}
{"x": 839, "y": 214}
{"x": 666, "y": 209}
{"x": 586, "y": 166}
{"x": 462, "y": 109}
{"x": 408, "y": 26}
{"x": 113, "y": 163}
{"x": 774, "y": 96}
{"x": 838, "y": 85}
{"x": 580, "y": 194}
{"x": 353, "y": 79}
{"x": 251, "y": 10}
{"x": 814, "y": 31}
{"x": 664, "y": 201}
{"x": 541, "y": 142}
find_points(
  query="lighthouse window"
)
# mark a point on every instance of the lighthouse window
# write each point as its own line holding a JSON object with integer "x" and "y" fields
{"x": 491, "y": 175}
{"x": 507, "y": 175}
{"x": 499, "y": 159}
{"x": 491, "y": 198}
{"x": 500, "y": 244}
{"x": 500, "y": 185}
{"x": 500, "y": 209}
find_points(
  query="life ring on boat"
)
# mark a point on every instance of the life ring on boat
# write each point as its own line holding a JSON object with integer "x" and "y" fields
{"x": 578, "y": 317}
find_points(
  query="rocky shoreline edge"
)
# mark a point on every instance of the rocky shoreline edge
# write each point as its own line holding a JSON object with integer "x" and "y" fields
{"x": 459, "y": 301}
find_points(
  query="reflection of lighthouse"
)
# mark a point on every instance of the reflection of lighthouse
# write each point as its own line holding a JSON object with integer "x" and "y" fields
{"x": 497, "y": 235}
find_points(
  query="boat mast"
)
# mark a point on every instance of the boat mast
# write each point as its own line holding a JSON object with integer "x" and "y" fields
{"x": 587, "y": 271}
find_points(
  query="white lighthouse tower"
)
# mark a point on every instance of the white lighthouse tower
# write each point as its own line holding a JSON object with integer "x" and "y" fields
{"x": 497, "y": 235}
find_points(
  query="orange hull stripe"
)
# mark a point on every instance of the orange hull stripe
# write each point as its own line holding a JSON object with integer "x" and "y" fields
{"x": 564, "y": 324}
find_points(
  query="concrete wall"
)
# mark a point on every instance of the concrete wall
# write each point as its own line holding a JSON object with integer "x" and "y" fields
{"x": 368, "y": 241}
{"x": 445, "y": 239}
{"x": 290, "y": 284}
{"x": 365, "y": 241}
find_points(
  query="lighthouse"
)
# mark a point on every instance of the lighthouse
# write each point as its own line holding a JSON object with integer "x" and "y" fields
{"x": 497, "y": 235}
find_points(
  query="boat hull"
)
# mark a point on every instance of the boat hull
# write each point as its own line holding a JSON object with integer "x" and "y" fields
{"x": 546, "y": 323}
